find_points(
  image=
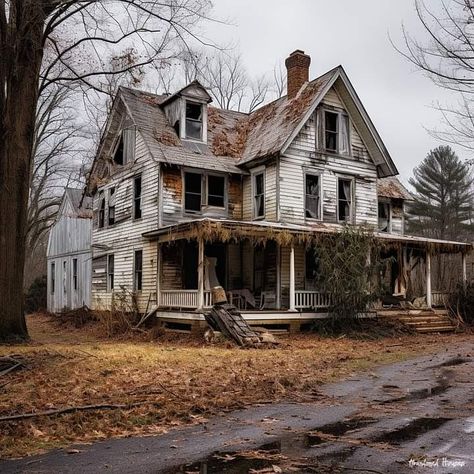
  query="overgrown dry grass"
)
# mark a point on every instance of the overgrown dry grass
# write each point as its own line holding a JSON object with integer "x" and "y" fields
{"x": 180, "y": 379}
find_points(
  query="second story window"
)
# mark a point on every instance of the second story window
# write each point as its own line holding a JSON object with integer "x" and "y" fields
{"x": 216, "y": 191}
{"x": 137, "y": 270}
{"x": 74, "y": 273}
{"x": 194, "y": 120}
{"x": 110, "y": 272}
{"x": 101, "y": 217}
{"x": 313, "y": 196}
{"x": 111, "y": 218}
{"x": 53, "y": 277}
{"x": 259, "y": 195}
{"x": 344, "y": 200}
{"x": 192, "y": 192}
{"x": 336, "y": 137}
{"x": 384, "y": 216}
{"x": 137, "y": 197}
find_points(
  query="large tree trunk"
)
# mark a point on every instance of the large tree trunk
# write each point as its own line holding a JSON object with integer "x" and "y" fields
{"x": 22, "y": 51}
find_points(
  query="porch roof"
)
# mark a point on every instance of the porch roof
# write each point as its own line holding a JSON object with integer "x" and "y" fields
{"x": 226, "y": 230}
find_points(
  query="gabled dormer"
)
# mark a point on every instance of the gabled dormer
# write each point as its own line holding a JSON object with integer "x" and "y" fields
{"x": 186, "y": 111}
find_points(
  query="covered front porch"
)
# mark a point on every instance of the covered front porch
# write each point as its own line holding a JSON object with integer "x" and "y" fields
{"x": 266, "y": 268}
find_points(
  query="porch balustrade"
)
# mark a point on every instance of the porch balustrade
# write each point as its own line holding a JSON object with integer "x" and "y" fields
{"x": 311, "y": 299}
{"x": 187, "y": 299}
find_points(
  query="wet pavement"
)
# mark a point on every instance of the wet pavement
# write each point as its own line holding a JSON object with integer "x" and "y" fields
{"x": 415, "y": 416}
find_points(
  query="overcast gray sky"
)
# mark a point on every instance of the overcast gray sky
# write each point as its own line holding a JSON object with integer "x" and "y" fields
{"x": 354, "y": 33}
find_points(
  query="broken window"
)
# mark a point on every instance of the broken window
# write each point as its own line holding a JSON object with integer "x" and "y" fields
{"x": 384, "y": 216}
{"x": 344, "y": 193}
{"x": 118, "y": 154}
{"x": 138, "y": 269}
{"x": 125, "y": 147}
{"x": 101, "y": 218}
{"x": 192, "y": 192}
{"x": 194, "y": 120}
{"x": 331, "y": 130}
{"x": 216, "y": 191}
{"x": 111, "y": 220}
{"x": 313, "y": 196}
{"x": 74, "y": 273}
{"x": 110, "y": 272}
{"x": 259, "y": 195}
{"x": 137, "y": 197}
{"x": 336, "y": 132}
{"x": 53, "y": 277}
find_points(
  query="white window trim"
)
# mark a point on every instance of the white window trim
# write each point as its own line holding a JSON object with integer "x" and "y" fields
{"x": 352, "y": 209}
{"x": 321, "y": 207}
{"x": 254, "y": 173}
{"x": 339, "y": 113}
{"x": 182, "y": 122}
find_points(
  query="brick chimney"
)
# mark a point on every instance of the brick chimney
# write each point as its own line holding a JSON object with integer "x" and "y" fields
{"x": 297, "y": 66}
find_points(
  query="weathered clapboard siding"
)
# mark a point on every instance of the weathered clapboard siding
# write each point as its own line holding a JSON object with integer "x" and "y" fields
{"x": 125, "y": 237}
{"x": 398, "y": 217}
{"x": 172, "y": 199}
{"x": 302, "y": 157}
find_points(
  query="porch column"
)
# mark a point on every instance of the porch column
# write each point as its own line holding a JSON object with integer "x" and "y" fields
{"x": 278, "y": 276}
{"x": 292, "y": 278}
{"x": 158, "y": 276}
{"x": 201, "y": 274}
{"x": 464, "y": 269}
{"x": 429, "y": 294}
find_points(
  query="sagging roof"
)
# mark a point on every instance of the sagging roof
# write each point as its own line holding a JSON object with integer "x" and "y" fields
{"x": 235, "y": 139}
{"x": 392, "y": 188}
{"x": 285, "y": 233}
{"x": 81, "y": 205}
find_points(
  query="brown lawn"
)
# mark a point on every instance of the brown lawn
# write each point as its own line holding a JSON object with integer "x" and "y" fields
{"x": 175, "y": 379}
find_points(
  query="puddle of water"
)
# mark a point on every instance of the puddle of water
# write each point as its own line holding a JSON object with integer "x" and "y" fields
{"x": 413, "y": 430}
{"x": 337, "y": 429}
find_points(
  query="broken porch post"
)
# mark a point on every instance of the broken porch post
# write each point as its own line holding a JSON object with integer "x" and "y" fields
{"x": 429, "y": 295}
{"x": 200, "y": 274}
{"x": 292, "y": 278}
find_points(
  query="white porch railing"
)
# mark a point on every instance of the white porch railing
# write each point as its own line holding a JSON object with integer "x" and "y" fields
{"x": 183, "y": 299}
{"x": 439, "y": 298}
{"x": 311, "y": 299}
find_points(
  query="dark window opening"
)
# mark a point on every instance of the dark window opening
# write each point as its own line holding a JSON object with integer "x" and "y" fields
{"x": 101, "y": 220}
{"x": 112, "y": 206}
{"x": 259, "y": 269}
{"x": 53, "y": 277}
{"x": 119, "y": 155}
{"x": 344, "y": 208}
{"x": 311, "y": 265}
{"x": 64, "y": 277}
{"x": 215, "y": 191}
{"x": 384, "y": 217}
{"x": 331, "y": 130}
{"x": 192, "y": 192}
{"x": 74, "y": 273}
{"x": 259, "y": 195}
{"x": 313, "y": 196}
{"x": 194, "y": 120}
{"x": 137, "y": 273}
{"x": 110, "y": 272}
{"x": 137, "y": 197}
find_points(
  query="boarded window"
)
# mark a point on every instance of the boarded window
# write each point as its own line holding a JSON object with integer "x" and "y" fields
{"x": 259, "y": 195}
{"x": 74, "y": 274}
{"x": 344, "y": 205}
{"x": 137, "y": 197}
{"x": 53, "y": 277}
{"x": 384, "y": 217}
{"x": 138, "y": 270}
{"x": 215, "y": 191}
{"x": 331, "y": 130}
{"x": 194, "y": 120}
{"x": 192, "y": 192}
{"x": 101, "y": 220}
{"x": 112, "y": 206}
{"x": 110, "y": 272}
{"x": 313, "y": 196}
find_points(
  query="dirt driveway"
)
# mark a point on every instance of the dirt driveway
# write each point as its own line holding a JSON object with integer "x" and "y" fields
{"x": 398, "y": 418}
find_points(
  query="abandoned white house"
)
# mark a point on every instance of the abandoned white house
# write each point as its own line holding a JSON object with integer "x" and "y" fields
{"x": 69, "y": 254}
{"x": 181, "y": 188}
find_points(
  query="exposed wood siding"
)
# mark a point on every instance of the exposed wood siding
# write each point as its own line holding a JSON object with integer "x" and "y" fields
{"x": 301, "y": 156}
{"x": 172, "y": 267}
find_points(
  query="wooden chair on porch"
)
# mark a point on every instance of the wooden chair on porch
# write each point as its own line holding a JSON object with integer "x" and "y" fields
{"x": 268, "y": 300}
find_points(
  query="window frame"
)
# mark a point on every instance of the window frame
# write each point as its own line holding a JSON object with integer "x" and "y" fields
{"x": 135, "y": 198}
{"x": 111, "y": 192}
{"x": 110, "y": 282}
{"x": 119, "y": 140}
{"x": 75, "y": 274}
{"x": 185, "y": 135}
{"x": 319, "y": 174}
{"x": 101, "y": 212}
{"x": 204, "y": 191}
{"x": 351, "y": 218}
{"x": 52, "y": 269}
{"x": 183, "y": 177}
{"x": 137, "y": 288}
{"x": 226, "y": 192}
{"x": 322, "y": 124}
{"x": 254, "y": 175}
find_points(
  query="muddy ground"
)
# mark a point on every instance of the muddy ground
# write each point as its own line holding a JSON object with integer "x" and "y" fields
{"x": 413, "y": 416}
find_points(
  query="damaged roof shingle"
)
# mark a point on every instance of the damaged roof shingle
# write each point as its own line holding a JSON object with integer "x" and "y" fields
{"x": 392, "y": 188}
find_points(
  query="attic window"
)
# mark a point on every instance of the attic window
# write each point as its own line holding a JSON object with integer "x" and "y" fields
{"x": 118, "y": 155}
{"x": 336, "y": 137}
{"x": 344, "y": 202}
{"x": 194, "y": 120}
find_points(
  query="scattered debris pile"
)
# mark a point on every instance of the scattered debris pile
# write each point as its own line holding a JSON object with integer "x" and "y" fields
{"x": 10, "y": 363}
{"x": 78, "y": 317}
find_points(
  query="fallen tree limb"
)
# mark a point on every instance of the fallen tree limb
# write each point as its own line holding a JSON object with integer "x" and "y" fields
{"x": 62, "y": 411}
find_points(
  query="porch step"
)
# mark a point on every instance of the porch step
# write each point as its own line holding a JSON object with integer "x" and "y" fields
{"x": 422, "y": 321}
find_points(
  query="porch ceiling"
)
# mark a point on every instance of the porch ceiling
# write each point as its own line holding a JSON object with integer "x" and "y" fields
{"x": 226, "y": 230}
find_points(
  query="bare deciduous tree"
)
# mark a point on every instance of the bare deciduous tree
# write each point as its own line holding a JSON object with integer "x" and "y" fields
{"x": 67, "y": 31}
